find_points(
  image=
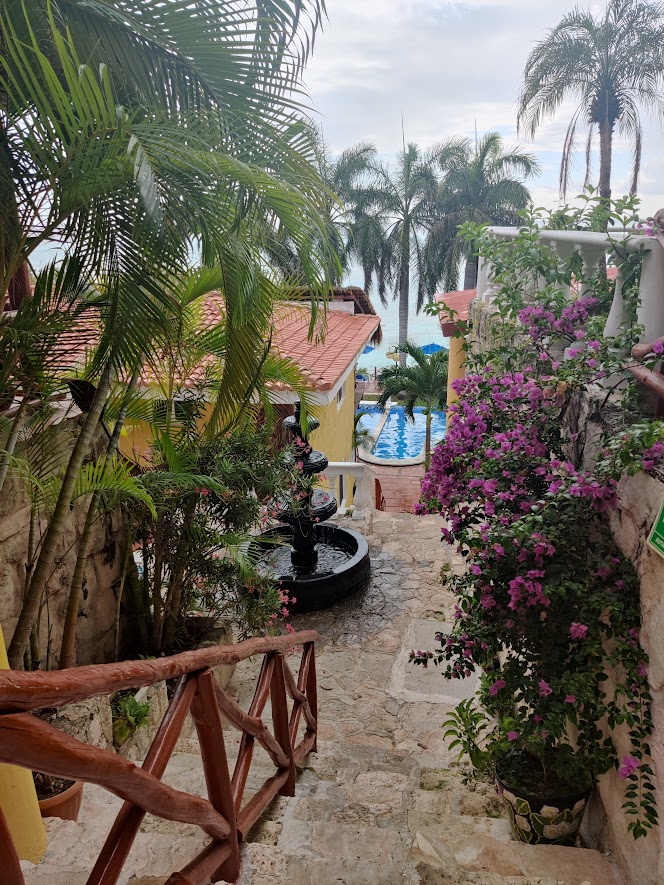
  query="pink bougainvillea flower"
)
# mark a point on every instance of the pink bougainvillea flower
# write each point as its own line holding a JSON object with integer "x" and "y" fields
{"x": 658, "y": 347}
{"x": 496, "y": 687}
{"x": 512, "y": 735}
{"x": 544, "y": 688}
{"x": 629, "y": 765}
{"x": 570, "y": 698}
{"x": 578, "y": 631}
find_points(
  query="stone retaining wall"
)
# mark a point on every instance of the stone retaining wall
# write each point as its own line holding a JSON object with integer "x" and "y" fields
{"x": 96, "y": 621}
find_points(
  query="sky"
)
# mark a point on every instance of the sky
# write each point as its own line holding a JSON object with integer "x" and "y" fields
{"x": 449, "y": 65}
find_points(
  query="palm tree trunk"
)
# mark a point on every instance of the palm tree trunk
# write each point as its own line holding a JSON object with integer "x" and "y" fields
{"x": 470, "y": 274}
{"x": 19, "y": 286}
{"x": 12, "y": 439}
{"x": 404, "y": 287}
{"x": 427, "y": 442}
{"x": 157, "y": 602}
{"x": 56, "y": 526}
{"x": 605, "y": 158}
{"x": 76, "y": 587}
{"x": 172, "y": 615}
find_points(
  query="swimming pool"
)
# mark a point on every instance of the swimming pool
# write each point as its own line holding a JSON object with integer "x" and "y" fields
{"x": 399, "y": 438}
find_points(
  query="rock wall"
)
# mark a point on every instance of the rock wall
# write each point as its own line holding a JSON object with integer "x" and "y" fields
{"x": 640, "y": 498}
{"x": 96, "y": 620}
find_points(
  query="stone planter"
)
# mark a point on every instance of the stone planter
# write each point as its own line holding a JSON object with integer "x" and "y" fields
{"x": 549, "y": 821}
{"x": 65, "y": 805}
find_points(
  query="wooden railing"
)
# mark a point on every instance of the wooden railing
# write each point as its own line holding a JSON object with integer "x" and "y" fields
{"x": 28, "y": 741}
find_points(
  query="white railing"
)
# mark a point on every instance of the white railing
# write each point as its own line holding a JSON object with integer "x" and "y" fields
{"x": 342, "y": 477}
{"x": 592, "y": 246}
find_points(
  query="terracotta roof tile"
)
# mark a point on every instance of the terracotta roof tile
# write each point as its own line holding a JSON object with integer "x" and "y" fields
{"x": 337, "y": 340}
{"x": 456, "y": 301}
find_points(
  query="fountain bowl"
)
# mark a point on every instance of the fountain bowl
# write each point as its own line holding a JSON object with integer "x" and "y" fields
{"x": 343, "y": 566}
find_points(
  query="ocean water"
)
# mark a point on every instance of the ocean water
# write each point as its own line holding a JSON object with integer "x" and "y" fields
{"x": 422, "y": 329}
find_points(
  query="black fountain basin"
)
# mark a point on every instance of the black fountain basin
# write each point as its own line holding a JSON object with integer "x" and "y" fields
{"x": 342, "y": 569}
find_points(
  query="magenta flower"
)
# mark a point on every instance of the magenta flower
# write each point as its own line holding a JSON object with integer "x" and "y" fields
{"x": 496, "y": 687}
{"x": 544, "y": 688}
{"x": 658, "y": 348}
{"x": 570, "y": 698}
{"x": 512, "y": 735}
{"x": 629, "y": 765}
{"x": 578, "y": 631}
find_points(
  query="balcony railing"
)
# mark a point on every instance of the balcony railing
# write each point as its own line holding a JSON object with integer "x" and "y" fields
{"x": 343, "y": 476}
{"x": 592, "y": 246}
{"x": 30, "y": 742}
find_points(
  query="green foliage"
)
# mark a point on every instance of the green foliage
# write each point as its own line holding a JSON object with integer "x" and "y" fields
{"x": 128, "y": 715}
{"x": 482, "y": 183}
{"x": 424, "y": 382}
{"x": 549, "y": 607}
{"x": 464, "y": 728}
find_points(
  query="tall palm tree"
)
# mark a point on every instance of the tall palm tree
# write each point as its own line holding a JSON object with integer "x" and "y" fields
{"x": 424, "y": 382}
{"x": 341, "y": 176}
{"x": 482, "y": 183}
{"x": 393, "y": 212}
{"x": 612, "y": 65}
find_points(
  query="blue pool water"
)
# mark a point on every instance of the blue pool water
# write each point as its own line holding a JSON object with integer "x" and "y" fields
{"x": 401, "y": 438}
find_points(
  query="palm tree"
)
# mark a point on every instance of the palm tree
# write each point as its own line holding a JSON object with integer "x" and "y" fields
{"x": 392, "y": 214}
{"x": 425, "y": 382}
{"x": 612, "y": 65}
{"x": 361, "y": 435}
{"x": 108, "y": 181}
{"x": 341, "y": 178}
{"x": 482, "y": 183}
{"x": 237, "y": 62}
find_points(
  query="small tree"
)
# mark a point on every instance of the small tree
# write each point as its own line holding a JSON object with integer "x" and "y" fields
{"x": 425, "y": 382}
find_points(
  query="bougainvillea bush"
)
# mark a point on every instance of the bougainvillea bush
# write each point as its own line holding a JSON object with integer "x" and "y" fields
{"x": 548, "y": 607}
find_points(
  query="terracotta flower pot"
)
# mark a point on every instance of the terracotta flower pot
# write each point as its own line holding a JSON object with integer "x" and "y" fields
{"x": 549, "y": 821}
{"x": 65, "y": 805}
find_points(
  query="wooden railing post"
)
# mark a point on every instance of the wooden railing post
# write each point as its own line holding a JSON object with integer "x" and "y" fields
{"x": 11, "y": 866}
{"x": 205, "y": 713}
{"x": 311, "y": 690}
{"x": 280, "y": 721}
{"x": 130, "y": 817}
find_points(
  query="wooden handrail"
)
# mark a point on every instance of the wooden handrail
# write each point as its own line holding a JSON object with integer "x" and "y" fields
{"x": 22, "y": 691}
{"x": 32, "y": 743}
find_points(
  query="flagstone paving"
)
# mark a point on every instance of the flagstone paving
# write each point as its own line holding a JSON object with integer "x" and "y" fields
{"x": 383, "y": 802}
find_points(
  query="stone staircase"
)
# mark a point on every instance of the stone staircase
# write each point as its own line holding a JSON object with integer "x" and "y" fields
{"x": 383, "y": 802}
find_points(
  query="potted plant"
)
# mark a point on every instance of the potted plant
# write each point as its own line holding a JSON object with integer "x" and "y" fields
{"x": 57, "y": 796}
{"x": 545, "y": 790}
{"x": 548, "y": 609}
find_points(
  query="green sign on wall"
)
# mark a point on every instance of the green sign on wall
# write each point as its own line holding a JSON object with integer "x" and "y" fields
{"x": 656, "y": 538}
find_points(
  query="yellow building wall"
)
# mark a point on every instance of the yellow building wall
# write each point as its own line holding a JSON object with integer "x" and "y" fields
{"x": 334, "y": 437}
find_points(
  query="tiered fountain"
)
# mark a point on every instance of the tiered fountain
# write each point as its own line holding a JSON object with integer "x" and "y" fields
{"x": 318, "y": 563}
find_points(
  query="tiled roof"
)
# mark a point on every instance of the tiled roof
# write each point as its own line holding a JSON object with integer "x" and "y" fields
{"x": 456, "y": 301}
{"x": 337, "y": 341}
{"x": 322, "y": 361}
